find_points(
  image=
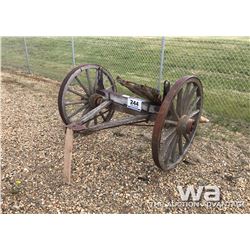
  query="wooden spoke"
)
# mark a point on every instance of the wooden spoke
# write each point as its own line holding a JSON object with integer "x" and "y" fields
{"x": 102, "y": 115}
{"x": 82, "y": 86}
{"x": 77, "y": 111}
{"x": 180, "y": 145}
{"x": 74, "y": 103}
{"x": 100, "y": 80}
{"x": 171, "y": 122}
{"x": 89, "y": 81}
{"x": 169, "y": 147}
{"x": 186, "y": 137}
{"x": 170, "y": 132}
{"x": 185, "y": 96}
{"x": 173, "y": 112}
{"x": 174, "y": 152}
{"x": 84, "y": 113}
{"x": 95, "y": 120}
{"x": 179, "y": 103}
{"x": 87, "y": 123}
{"x": 194, "y": 113}
{"x": 85, "y": 97}
{"x": 86, "y": 110}
{"x": 193, "y": 105}
{"x": 96, "y": 80}
{"x": 189, "y": 98}
{"x": 75, "y": 92}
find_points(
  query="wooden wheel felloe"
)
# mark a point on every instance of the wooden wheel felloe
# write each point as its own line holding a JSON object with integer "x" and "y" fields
{"x": 176, "y": 122}
{"x": 78, "y": 94}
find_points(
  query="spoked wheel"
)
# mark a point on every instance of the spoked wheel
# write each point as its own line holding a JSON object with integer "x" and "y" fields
{"x": 176, "y": 122}
{"x": 77, "y": 94}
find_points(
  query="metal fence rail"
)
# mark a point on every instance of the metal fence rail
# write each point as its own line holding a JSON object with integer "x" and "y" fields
{"x": 223, "y": 64}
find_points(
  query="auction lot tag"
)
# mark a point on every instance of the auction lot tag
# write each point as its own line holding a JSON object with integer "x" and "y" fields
{"x": 134, "y": 103}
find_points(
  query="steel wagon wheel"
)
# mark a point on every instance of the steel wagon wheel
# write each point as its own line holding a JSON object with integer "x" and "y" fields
{"x": 77, "y": 94}
{"x": 176, "y": 122}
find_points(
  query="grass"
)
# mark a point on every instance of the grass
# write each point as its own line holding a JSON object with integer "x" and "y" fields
{"x": 222, "y": 64}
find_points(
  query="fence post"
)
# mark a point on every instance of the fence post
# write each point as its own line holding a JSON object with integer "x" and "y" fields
{"x": 163, "y": 43}
{"x": 73, "y": 51}
{"x": 26, "y": 55}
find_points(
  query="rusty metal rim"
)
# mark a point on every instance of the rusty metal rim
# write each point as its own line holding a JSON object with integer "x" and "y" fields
{"x": 162, "y": 114}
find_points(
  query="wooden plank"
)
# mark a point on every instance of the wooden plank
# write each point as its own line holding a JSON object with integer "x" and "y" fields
{"x": 68, "y": 147}
{"x": 124, "y": 109}
{"x": 123, "y": 100}
{"x": 112, "y": 124}
{"x": 91, "y": 114}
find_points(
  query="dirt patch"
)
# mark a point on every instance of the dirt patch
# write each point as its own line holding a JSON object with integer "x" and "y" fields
{"x": 113, "y": 170}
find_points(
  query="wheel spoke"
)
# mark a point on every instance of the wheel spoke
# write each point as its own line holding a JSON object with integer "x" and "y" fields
{"x": 170, "y": 146}
{"x": 74, "y": 103}
{"x": 100, "y": 80}
{"x": 189, "y": 98}
{"x": 86, "y": 110}
{"x": 77, "y": 111}
{"x": 171, "y": 122}
{"x": 174, "y": 146}
{"x": 75, "y": 92}
{"x": 180, "y": 145}
{"x": 186, "y": 137}
{"x": 103, "y": 117}
{"x": 95, "y": 120}
{"x": 87, "y": 123}
{"x": 82, "y": 86}
{"x": 173, "y": 112}
{"x": 194, "y": 113}
{"x": 84, "y": 113}
{"x": 185, "y": 96}
{"x": 89, "y": 81}
{"x": 96, "y": 80}
{"x": 179, "y": 103}
{"x": 170, "y": 132}
{"x": 193, "y": 105}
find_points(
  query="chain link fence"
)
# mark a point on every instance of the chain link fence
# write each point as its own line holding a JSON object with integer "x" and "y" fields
{"x": 222, "y": 64}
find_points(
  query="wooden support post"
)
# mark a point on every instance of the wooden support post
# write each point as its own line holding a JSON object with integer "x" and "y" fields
{"x": 68, "y": 147}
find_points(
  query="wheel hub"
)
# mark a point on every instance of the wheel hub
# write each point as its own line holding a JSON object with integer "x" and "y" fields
{"x": 95, "y": 100}
{"x": 185, "y": 124}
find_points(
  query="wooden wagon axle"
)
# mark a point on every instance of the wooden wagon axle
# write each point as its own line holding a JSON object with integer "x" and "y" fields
{"x": 119, "y": 103}
{"x": 88, "y": 99}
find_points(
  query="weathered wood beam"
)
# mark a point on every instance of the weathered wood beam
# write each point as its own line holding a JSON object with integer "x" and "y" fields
{"x": 144, "y": 91}
{"x": 124, "y": 109}
{"x": 147, "y": 106}
{"x": 110, "y": 124}
{"x": 68, "y": 147}
{"x": 91, "y": 114}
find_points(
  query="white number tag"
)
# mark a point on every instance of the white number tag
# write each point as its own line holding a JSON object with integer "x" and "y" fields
{"x": 134, "y": 103}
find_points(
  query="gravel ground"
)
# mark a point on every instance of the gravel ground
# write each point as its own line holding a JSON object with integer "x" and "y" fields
{"x": 113, "y": 170}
